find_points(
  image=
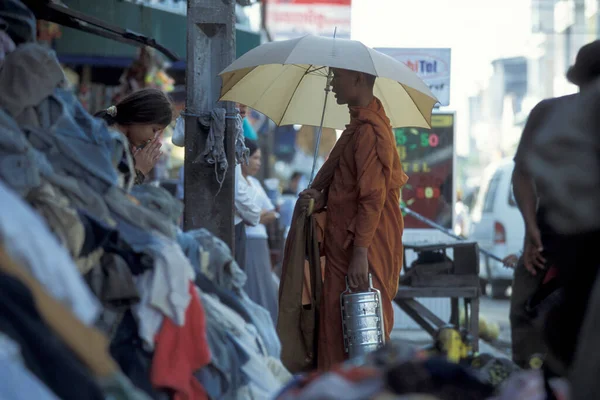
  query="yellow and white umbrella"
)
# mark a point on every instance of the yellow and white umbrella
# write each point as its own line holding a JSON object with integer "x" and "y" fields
{"x": 285, "y": 81}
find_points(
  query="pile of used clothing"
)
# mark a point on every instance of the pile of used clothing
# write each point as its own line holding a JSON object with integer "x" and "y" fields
{"x": 102, "y": 296}
{"x": 399, "y": 371}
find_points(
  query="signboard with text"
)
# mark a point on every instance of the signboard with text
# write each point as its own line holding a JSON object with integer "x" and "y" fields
{"x": 427, "y": 157}
{"x": 289, "y": 19}
{"x": 431, "y": 65}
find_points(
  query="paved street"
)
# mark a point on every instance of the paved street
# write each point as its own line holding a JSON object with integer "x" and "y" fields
{"x": 496, "y": 311}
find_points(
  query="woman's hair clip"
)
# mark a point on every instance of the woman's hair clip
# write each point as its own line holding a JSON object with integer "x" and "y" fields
{"x": 112, "y": 111}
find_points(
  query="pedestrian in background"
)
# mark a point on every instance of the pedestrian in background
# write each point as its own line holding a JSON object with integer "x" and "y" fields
{"x": 260, "y": 286}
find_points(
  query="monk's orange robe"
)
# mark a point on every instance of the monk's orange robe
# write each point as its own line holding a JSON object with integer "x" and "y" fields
{"x": 362, "y": 179}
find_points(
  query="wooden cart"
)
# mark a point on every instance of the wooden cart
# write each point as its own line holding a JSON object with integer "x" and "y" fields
{"x": 454, "y": 276}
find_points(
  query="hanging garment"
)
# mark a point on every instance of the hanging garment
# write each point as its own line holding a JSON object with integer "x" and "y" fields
{"x": 181, "y": 351}
{"x": 259, "y": 371}
{"x": 18, "y": 383}
{"x": 223, "y": 377}
{"x": 29, "y": 242}
{"x": 126, "y": 208}
{"x": 6, "y": 43}
{"x": 164, "y": 290}
{"x": 63, "y": 221}
{"x": 21, "y": 165}
{"x": 88, "y": 344}
{"x": 333, "y": 386}
{"x": 135, "y": 361}
{"x": 75, "y": 143}
{"x": 213, "y": 260}
{"x": 219, "y": 265}
{"x": 82, "y": 197}
{"x": 21, "y": 21}
{"x": 44, "y": 353}
{"x": 261, "y": 319}
{"x": 159, "y": 200}
{"x": 118, "y": 387}
{"x": 353, "y": 382}
{"x": 530, "y": 385}
{"x": 29, "y": 74}
{"x": 227, "y": 297}
{"x": 98, "y": 235}
{"x": 112, "y": 283}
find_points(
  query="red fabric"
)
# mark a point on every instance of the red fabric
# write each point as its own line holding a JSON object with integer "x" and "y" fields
{"x": 551, "y": 274}
{"x": 180, "y": 351}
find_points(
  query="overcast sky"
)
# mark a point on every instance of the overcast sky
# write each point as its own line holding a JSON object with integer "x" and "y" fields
{"x": 478, "y": 31}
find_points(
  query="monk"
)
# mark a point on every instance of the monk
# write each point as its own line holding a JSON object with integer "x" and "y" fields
{"x": 359, "y": 188}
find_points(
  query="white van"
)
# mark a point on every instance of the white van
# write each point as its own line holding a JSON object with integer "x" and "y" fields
{"x": 497, "y": 226}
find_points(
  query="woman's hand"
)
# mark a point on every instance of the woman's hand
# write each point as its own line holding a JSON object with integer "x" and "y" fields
{"x": 266, "y": 217}
{"x": 146, "y": 158}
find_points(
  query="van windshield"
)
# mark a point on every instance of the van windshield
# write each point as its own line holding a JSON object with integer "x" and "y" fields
{"x": 511, "y": 196}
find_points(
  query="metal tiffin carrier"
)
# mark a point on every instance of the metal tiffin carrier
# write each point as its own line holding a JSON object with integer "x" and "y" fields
{"x": 362, "y": 320}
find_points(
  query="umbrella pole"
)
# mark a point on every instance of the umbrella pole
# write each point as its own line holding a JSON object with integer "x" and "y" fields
{"x": 320, "y": 131}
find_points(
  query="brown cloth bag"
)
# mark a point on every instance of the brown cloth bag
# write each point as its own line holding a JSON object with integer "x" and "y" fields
{"x": 297, "y": 322}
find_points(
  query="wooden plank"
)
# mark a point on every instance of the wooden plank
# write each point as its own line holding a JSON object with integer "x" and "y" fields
{"x": 474, "y": 322}
{"x": 438, "y": 245}
{"x": 422, "y": 322}
{"x": 409, "y": 292}
{"x": 454, "y": 314}
{"x": 424, "y": 312}
{"x": 444, "y": 281}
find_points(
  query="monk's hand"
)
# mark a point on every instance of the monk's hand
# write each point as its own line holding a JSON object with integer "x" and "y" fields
{"x": 358, "y": 271}
{"x": 314, "y": 194}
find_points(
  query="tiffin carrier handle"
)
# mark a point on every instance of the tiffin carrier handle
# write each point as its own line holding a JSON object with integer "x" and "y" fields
{"x": 349, "y": 290}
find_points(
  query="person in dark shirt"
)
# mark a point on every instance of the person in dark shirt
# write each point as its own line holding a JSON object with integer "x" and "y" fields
{"x": 543, "y": 247}
{"x": 525, "y": 334}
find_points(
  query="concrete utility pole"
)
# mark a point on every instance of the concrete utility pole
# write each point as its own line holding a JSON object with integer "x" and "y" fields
{"x": 210, "y": 49}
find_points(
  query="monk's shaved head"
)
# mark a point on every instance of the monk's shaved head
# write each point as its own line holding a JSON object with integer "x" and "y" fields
{"x": 352, "y": 87}
{"x": 369, "y": 79}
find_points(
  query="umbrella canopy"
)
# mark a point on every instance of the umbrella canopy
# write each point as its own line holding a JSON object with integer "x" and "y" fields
{"x": 306, "y": 139}
{"x": 285, "y": 81}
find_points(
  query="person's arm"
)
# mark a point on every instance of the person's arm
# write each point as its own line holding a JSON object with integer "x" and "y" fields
{"x": 372, "y": 188}
{"x": 523, "y": 184}
{"x": 245, "y": 204}
{"x": 525, "y": 192}
{"x": 268, "y": 213}
{"x": 525, "y": 195}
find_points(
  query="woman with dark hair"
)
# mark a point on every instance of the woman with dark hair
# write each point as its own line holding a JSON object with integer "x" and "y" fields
{"x": 141, "y": 117}
{"x": 260, "y": 286}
